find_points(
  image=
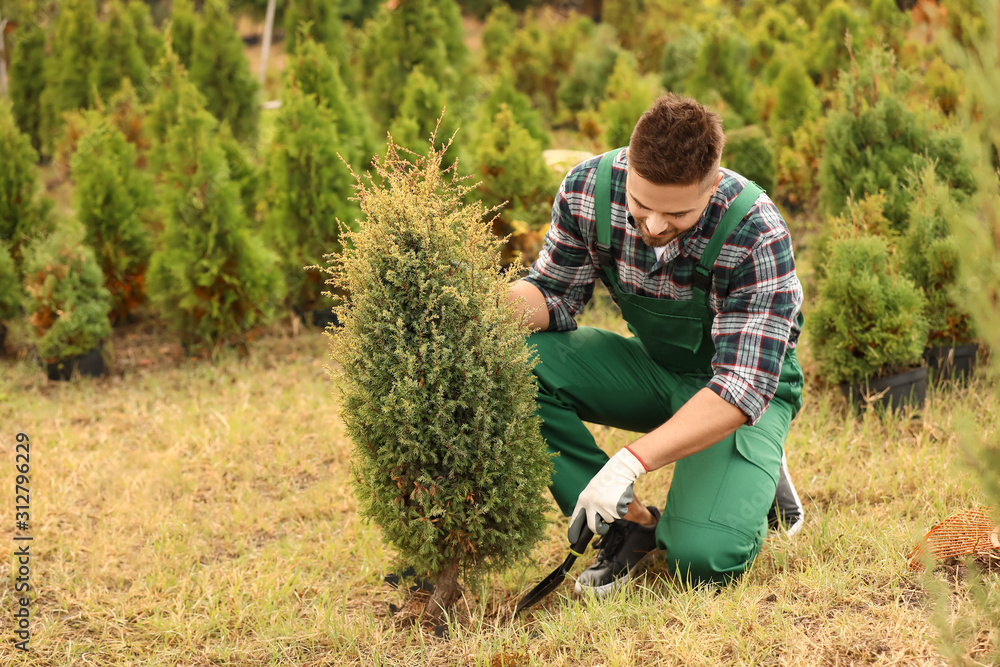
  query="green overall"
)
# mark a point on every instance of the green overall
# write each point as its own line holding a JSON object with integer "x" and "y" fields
{"x": 715, "y": 519}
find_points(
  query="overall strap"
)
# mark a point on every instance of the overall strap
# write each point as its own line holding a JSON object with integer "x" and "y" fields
{"x": 602, "y": 204}
{"x": 702, "y": 279}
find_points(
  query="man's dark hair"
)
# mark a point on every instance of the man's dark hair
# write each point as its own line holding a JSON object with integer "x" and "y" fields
{"x": 677, "y": 141}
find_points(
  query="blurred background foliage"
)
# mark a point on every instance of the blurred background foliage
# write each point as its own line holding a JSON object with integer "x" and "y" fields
{"x": 824, "y": 105}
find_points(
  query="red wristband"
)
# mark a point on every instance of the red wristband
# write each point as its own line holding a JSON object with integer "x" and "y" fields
{"x": 637, "y": 457}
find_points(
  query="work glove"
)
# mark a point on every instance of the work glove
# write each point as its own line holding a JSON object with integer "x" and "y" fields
{"x": 607, "y": 496}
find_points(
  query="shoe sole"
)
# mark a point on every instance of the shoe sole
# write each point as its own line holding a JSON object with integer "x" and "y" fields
{"x": 608, "y": 589}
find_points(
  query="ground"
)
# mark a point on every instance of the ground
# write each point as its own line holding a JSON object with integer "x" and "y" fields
{"x": 186, "y": 513}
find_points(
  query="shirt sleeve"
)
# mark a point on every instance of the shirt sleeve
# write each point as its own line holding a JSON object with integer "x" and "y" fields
{"x": 564, "y": 271}
{"x": 754, "y": 324}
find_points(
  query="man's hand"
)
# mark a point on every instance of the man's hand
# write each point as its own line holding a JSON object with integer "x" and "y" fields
{"x": 608, "y": 495}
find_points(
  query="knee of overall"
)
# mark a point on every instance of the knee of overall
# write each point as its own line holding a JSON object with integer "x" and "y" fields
{"x": 703, "y": 553}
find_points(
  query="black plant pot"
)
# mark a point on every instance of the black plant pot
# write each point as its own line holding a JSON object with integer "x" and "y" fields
{"x": 951, "y": 362}
{"x": 892, "y": 393}
{"x": 90, "y": 364}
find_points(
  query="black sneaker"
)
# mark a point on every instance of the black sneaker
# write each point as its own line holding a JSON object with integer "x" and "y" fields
{"x": 622, "y": 549}
{"x": 786, "y": 512}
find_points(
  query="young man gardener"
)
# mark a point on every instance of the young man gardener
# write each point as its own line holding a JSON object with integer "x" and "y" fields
{"x": 700, "y": 262}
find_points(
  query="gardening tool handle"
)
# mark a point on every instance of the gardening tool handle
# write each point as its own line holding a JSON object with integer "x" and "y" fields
{"x": 578, "y": 547}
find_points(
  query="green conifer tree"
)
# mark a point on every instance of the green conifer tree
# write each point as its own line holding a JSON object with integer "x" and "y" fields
{"x": 308, "y": 191}
{"x": 150, "y": 40}
{"x": 11, "y": 291}
{"x": 837, "y": 26}
{"x": 930, "y": 256}
{"x": 506, "y": 94}
{"x": 420, "y": 113}
{"x": 67, "y": 304}
{"x": 454, "y": 472}
{"x": 321, "y": 21}
{"x": 874, "y": 142}
{"x": 626, "y": 97}
{"x": 722, "y": 67}
{"x": 68, "y": 72}
{"x": 109, "y": 200}
{"x": 592, "y": 69}
{"x": 500, "y": 24}
{"x": 243, "y": 171}
{"x": 869, "y": 319}
{"x": 797, "y": 100}
{"x": 316, "y": 74}
{"x": 183, "y": 26}
{"x": 211, "y": 279}
{"x": 220, "y": 70}
{"x": 515, "y": 176}
{"x": 748, "y": 152}
{"x": 21, "y": 214}
{"x": 171, "y": 83}
{"x": 424, "y": 33}
{"x": 27, "y": 76}
{"x": 678, "y": 59}
{"x": 117, "y": 52}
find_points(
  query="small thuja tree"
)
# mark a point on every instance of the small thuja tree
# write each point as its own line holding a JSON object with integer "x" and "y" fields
{"x": 67, "y": 303}
{"x": 316, "y": 73}
{"x": 748, "y": 152}
{"x": 869, "y": 318}
{"x": 421, "y": 112}
{"x": 21, "y": 213}
{"x": 211, "y": 279}
{"x": 308, "y": 191}
{"x": 873, "y": 142}
{"x": 437, "y": 390}
{"x": 220, "y": 70}
{"x": 150, "y": 40}
{"x": 11, "y": 291}
{"x": 427, "y": 33}
{"x": 515, "y": 177}
{"x": 974, "y": 629}
{"x": 110, "y": 198}
{"x": 27, "y": 73}
{"x": 627, "y": 96}
{"x": 118, "y": 54}
{"x": 932, "y": 259}
{"x": 69, "y": 69}
{"x": 183, "y": 24}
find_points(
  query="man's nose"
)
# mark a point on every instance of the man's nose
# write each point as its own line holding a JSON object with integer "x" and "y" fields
{"x": 657, "y": 224}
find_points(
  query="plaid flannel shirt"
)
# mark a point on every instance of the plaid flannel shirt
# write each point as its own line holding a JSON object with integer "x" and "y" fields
{"x": 756, "y": 295}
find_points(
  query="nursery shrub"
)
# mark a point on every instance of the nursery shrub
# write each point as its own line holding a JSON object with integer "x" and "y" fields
{"x": 220, "y": 70}
{"x": 437, "y": 392}
{"x": 211, "y": 280}
{"x": 67, "y": 303}
{"x": 109, "y": 200}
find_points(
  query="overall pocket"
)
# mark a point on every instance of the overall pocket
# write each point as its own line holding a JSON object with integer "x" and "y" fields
{"x": 747, "y": 490}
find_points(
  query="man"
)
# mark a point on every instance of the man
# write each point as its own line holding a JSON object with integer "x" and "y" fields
{"x": 700, "y": 263}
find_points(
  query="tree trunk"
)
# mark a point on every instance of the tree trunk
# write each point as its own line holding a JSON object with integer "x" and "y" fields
{"x": 446, "y": 594}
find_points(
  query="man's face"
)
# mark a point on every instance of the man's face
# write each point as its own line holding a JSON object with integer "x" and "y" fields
{"x": 664, "y": 212}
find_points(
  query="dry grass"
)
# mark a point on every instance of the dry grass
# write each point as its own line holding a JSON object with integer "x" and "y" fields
{"x": 193, "y": 514}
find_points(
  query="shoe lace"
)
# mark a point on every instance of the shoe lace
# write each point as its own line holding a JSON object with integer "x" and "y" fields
{"x": 611, "y": 542}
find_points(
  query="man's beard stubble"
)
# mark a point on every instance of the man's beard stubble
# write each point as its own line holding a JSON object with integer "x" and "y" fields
{"x": 649, "y": 239}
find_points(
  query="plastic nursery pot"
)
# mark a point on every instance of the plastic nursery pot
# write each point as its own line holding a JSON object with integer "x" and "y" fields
{"x": 90, "y": 364}
{"x": 951, "y": 362}
{"x": 892, "y": 393}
